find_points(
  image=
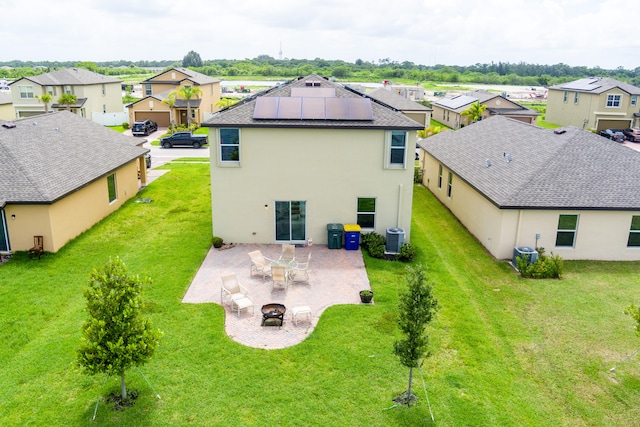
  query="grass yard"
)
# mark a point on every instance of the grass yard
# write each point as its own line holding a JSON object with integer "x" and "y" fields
{"x": 506, "y": 351}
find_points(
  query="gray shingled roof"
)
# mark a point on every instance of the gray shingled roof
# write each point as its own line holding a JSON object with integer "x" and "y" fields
{"x": 49, "y": 156}
{"x": 460, "y": 103}
{"x": 596, "y": 85}
{"x": 241, "y": 115}
{"x": 573, "y": 170}
{"x": 71, "y": 76}
{"x": 396, "y": 101}
{"x": 194, "y": 76}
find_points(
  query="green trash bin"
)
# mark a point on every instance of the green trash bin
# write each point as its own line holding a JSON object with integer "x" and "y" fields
{"x": 334, "y": 236}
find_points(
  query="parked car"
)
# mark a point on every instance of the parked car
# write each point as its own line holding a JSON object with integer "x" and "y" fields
{"x": 144, "y": 127}
{"x": 184, "y": 138}
{"x": 613, "y": 134}
{"x": 632, "y": 134}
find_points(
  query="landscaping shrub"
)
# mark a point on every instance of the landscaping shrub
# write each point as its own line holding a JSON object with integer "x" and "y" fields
{"x": 374, "y": 244}
{"x": 417, "y": 175}
{"x": 407, "y": 253}
{"x": 546, "y": 267}
{"x": 125, "y": 125}
{"x": 217, "y": 242}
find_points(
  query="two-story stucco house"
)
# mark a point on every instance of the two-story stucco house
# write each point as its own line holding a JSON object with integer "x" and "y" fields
{"x": 60, "y": 174}
{"x": 287, "y": 162}
{"x": 594, "y": 103}
{"x": 448, "y": 111}
{"x": 95, "y": 93}
{"x": 156, "y": 89}
{"x": 514, "y": 184}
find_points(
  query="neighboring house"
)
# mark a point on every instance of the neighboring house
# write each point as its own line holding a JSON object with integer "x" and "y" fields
{"x": 409, "y": 108}
{"x": 287, "y": 162}
{"x": 448, "y": 111}
{"x": 60, "y": 175}
{"x": 511, "y": 184}
{"x": 95, "y": 93}
{"x": 156, "y": 89}
{"x": 6, "y": 106}
{"x": 594, "y": 103}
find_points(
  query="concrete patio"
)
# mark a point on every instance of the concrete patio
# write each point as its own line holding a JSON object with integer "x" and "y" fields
{"x": 335, "y": 277}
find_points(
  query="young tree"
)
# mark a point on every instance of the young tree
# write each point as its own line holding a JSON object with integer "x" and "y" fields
{"x": 634, "y": 312}
{"x": 416, "y": 308}
{"x": 187, "y": 92}
{"x": 115, "y": 337}
{"x": 171, "y": 102}
{"x": 474, "y": 112}
{"x": 45, "y": 98}
{"x": 68, "y": 100}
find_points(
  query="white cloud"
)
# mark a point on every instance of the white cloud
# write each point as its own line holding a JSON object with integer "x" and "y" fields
{"x": 455, "y": 32}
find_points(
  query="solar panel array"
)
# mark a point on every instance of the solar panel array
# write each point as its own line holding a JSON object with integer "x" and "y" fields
{"x": 457, "y": 101}
{"x": 583, "y": 84}
{"x": 312, "y": 108}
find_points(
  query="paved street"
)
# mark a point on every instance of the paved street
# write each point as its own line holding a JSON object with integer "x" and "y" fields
{"x": 160, "y": 156}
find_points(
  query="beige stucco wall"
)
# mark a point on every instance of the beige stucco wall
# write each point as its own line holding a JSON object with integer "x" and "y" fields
{"x": 592, "y": 107}
{"x": 7, "y": 112}
{"x": 327, "y": 168}
{"x": 446, "y": 117}
{"x": 422, "y": 117}
{"x": 601, "y": 235}
{"x": 67, "y": 218}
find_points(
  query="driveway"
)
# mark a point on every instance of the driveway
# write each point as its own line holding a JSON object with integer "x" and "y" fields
{"x": 160, "y": 156}
{"x": 335, "y": 277}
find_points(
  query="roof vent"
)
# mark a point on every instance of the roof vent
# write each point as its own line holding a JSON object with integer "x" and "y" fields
{"x": 8, "y": 125}
{"x": 559, "y": 131}
{"x": 34, "y": 124}
{"x": 56, "y": 129}
{"x": 507, "y": 157}
{"x": 488, "y": 163}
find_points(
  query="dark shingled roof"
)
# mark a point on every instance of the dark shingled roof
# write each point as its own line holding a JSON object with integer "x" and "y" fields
{"x": 567, "y": 168}
{"x": 241, "y": 115}
{"x": 596, "y": 85}
{"x": 71, "y": 76}
{"x": 46, "y": 157}
{"x": 396, "y": 101}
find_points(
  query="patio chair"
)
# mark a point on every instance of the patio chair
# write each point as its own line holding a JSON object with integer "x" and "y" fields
{"x": 279, "y": 276}
{"x": 260, "y": 264}
{"x": 38, "y": 247}
{"x": 236, "y": 294}
{"x": 288, "y": 253}
{"x": 301, "y": 272}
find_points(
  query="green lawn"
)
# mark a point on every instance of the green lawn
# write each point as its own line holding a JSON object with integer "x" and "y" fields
{"x": 506, "y": 351}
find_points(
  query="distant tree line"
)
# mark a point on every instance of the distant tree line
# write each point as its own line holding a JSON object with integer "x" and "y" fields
{"x": 521, "y": 73}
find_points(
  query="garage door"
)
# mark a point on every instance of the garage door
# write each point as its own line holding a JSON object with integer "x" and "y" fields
{"x": 160, "y": 117}
{"x": 613, "y": 124}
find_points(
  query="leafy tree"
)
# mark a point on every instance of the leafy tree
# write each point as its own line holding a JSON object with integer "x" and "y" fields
{"x": 187, "y": 92}
{"x": 192, "y": 59}
{"x": 91, "y": 66}
{"x": 416, "y": 308}
{"x": 68, "y": 100}
{"x": 430, "y": 131}
{"x": 225, "y": 103}
{"x": 474, "y": 112}
{"x": 634, "y": 312}
{"x": 45, "y": 98}
{"x": 115, "y": 337}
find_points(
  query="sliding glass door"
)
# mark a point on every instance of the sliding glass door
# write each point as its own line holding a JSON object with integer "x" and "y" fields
{"x": 291, "y": 221}
{"x": 4, "y": 233}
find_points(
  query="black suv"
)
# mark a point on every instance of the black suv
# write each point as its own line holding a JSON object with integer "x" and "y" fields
{"x": 144, "y": 127}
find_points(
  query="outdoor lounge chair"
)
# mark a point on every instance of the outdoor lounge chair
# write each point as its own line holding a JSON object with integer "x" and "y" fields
{"x": 301, "y": 272}
{"x": 288, "y": 253}
{"x": 259, "y": 264}
{"x": 236, "y": 294}
{"x": 279, "y": 276}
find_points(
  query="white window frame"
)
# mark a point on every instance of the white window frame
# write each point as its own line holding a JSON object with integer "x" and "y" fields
{"x": 148, "y": 91}
{"x": 634, "y": 231}
{"x": 614, "y": 100}
{"x": 390, "y": 148}
{"x": 368, "y": 213}
{"x": 111, "y": 182}
{"x": 634, "y": 100}
{"x": 26, "y": 92}
{"x": 566, "y": 96}
{"x": 67, "y": 90}
{"x": 568, "y": 230}
{"x": 450, "y": 185}
{"x": 576, "y": 97}
{"x": 222, "y": 162}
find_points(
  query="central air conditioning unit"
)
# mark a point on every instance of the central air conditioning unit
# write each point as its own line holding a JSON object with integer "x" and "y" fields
{"x": 395, "y": 240}
{"x": 524, "y": 251}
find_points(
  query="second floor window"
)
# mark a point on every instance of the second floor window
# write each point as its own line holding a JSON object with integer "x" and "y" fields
{"x": 67, "y": 90}
{"x": 147, "y": 89}
{"x": 230, "y": 145}
{"x": 26, "y": 92}
{"x": 613, "y": 101}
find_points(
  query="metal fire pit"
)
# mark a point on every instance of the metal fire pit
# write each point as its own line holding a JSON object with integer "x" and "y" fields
{"x": 273, "y": 314}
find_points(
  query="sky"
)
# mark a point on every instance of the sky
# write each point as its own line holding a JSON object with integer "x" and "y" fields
{"x": 427, "y": 32}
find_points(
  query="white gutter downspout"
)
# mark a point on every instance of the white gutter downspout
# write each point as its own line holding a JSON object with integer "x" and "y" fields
{"x": 518, "y": 228}
{"x": 399, "y": 205}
